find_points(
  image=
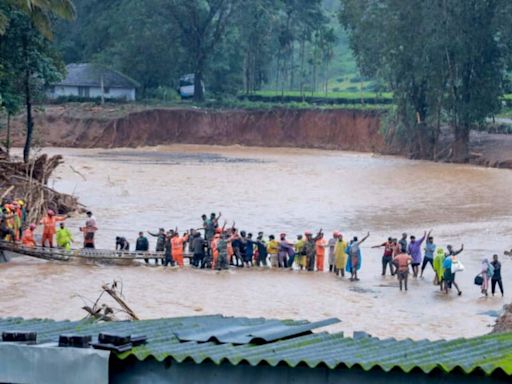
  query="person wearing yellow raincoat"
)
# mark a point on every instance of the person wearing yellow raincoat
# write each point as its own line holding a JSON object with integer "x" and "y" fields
{"x": 340, "y": 254}
{"x": 64, "y": 237}
{"x": 438, "y": 266}
{"x": 299, "y": 256}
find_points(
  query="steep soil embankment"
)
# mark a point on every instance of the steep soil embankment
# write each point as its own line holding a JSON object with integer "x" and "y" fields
{"x": 111, "y": 126}
{"x": 329, "y": 129}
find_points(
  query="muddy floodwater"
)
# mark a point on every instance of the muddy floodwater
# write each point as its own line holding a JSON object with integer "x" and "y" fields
{"x": 277, "y": 190}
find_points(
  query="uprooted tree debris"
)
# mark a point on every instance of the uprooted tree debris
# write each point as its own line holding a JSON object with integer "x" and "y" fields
{"x": 104, "y": 312}
{"x": 29, "y": 182}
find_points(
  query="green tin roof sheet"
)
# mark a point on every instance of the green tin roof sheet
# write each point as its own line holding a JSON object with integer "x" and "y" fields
{"x": 489, "y": 354}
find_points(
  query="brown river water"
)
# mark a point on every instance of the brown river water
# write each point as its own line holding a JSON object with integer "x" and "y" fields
{"x": 276, "y": 190}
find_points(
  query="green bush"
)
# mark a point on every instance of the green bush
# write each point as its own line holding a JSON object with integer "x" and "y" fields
{"x": 163, "y": 93}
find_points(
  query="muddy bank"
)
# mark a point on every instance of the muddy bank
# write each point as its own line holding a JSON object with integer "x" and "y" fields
{"x": 87, "y": 126}
{"x": 97, "y": 128}
{"x": 504, "y": 322}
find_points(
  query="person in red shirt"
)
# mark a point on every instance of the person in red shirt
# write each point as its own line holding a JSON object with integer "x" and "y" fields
{"x": 387, "y": 258}
{"x": 49, "y": 222}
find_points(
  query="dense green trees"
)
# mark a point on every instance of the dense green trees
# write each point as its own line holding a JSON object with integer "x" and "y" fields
{"x": 235, "y": 45}
{"x": 202, "y": 25}
{"x": 443, "y": 59}
{"x": 39, "y": 11}
{"x": 27, "y": 59}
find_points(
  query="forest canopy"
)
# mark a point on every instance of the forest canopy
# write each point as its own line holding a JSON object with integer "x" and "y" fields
{"x": 444, "y": 62}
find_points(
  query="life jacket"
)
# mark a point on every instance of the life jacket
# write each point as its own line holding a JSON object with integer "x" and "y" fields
{"x": 177, "y": 244}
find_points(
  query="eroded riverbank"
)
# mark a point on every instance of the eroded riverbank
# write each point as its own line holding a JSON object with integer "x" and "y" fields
{"x": 134, "y": 125}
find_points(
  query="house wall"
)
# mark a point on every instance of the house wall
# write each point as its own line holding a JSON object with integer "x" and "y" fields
{"x": 49, "y": 364}
{"x": 127, "y": 94}
{"x": 133, "y": 371}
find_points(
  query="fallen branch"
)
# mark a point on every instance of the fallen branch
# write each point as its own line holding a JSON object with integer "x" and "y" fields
{"x": 103, "y": 312}
{"x": 9, "y": 190}
{"x": 112, "y": 291}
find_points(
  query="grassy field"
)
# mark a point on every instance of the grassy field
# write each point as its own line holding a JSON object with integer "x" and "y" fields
{"x": 330, "y": 95}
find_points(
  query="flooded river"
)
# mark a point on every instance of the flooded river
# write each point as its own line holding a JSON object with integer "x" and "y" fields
{"x": 277, "y": 190}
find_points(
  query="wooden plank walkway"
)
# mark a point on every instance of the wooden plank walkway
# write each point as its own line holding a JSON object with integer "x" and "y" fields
{"x": 60, "y": 254}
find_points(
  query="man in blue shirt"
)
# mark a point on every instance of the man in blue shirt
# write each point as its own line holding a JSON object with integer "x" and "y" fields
{"x": 449, "y": 276}
{"x": 428, "y": 257}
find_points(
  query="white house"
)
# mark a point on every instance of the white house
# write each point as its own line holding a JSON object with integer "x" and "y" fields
{"x": 94, "y": 81}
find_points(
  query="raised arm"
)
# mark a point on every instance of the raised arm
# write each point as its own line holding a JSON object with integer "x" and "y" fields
{"x": 320, "y": 232}
{"x": 459, "y": 251}
{"x": 364, "y": 238}
{"x": 423, "y": 238}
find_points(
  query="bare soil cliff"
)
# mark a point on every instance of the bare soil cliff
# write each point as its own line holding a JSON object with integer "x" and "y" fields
{"x": 329, "y": 129}
{"x": 111, "y": 126}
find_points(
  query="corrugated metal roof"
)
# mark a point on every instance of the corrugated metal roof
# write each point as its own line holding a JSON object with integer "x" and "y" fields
{"x": 489, "y": 353}
{"x": 270, "y": 330}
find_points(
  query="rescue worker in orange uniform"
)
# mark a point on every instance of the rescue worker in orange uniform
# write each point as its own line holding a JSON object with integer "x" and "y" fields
{"x": 49, "y": 230}
{"x": 320, "y": 252}
{"x": 28, "y": 239}
{"x": 215, "y": 251}
{"x": 177, "y": 244}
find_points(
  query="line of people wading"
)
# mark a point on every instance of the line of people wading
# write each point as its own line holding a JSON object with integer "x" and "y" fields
{"x": 221, "y": 247}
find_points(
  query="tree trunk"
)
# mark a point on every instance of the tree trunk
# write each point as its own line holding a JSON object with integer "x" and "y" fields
{"x": 198, "y": 85}
{"x": 326, "y": 78}
{"x": 461, "y": 144}
{"x": 28, "y": 99}
{"x": 292, "y": 67}
{"x": 8, "y": 141}
{"x": 313, "y": 88}
{"x": 302, "y": 58}
{"x": 278, "y": 68}
{"x": 246, "y": 74}
{"x": 30, "y": 122}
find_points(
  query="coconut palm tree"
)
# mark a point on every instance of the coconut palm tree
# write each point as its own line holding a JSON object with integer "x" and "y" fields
{"x": 40, "y": 11}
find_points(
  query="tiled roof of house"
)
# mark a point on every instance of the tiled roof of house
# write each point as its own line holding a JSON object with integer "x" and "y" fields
{"x": 91, "y": 75}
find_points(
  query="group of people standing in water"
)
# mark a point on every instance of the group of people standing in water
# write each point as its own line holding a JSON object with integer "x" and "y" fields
{"x": 223, "y": 246}
{"x": 216, "y": 247}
